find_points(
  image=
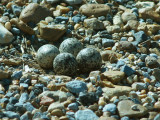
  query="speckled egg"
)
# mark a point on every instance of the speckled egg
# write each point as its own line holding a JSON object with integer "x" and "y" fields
{"x": 89, "y": 59}
{"x": 65, "y": 64}
{"x": 46, "y": 54}
{"x": 71, "y": 45}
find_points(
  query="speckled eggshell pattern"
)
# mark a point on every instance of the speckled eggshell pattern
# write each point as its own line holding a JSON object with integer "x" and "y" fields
{"x": 71, "y": 45}
{"x": 65, "y": 64}
{"x": 89, "y": 59}
{"x": 46, "y": 54}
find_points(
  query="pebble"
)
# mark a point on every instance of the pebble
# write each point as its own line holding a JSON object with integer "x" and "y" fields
{"x": 55, "y": 105}
{"x": 86, "y": 114}
{"x": 24, "y": 97}
{"x": 33, "y": 12}
{"x": 110, "y": 108}
{"x": 87, "y": 98}
{"x": 46, "y": 100}
{"x": 5, "y": 36}
{"x": 113, "y": 76}
{"x": 73, "y": 106}
{"x": 94, "y": 9}
{"x": 46, "y": 31}
{"x": 93, "y": 23}
{"x": 17, "y": 75}
{"x": 11, "y": 115}
{"x": 126, "y": 46}
{"x": 151, "y": 62}
{"x": 125, "y": 109}
{"x": 126, "y": 16}
{"x": 73, "y": 2}
{"x": 127, "y": 70}
{"x": 116, "y": 91}
{"x": 107, "y": 42}
{"x": 76, "y": 86}
{"x": 139, "y": 86}
{"x": 139, "y": 37}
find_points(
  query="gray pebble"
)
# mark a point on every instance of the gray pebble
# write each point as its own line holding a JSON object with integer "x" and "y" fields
{"x": 76, "y": 86}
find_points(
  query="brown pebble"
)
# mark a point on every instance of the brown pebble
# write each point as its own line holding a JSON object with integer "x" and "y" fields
{"x": 63, "y": 4}
{"x": 76, "y": 26}
{"x": 63, "y": 118}
{"x": 62, "y": 9}
{"x": 157, "y": 105}
{"x": 75, "y": 12}
{"x": 46, "y": 100}
{"x": 57, "y": 112}
{"x": 9, "y": 5}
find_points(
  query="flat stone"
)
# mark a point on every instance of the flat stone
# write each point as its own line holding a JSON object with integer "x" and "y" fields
{"x": 4, "y": 74}
{"x": 132, "y": 24}
{"x": 107, "y": 55}
{"x": 147, "y": 13}
{"x": 11, "y": 114}
{"x": 86, "y": 115}
{"x": 73, "y": 2}
{"x": 127, "y": 70}
{"x": 116, "y": 91}
{"x": 57, "y": 112}
{"x": 140, "y": 37}
{"x": 51, "y": 32}
{"x": 153, "y": 28}
{"x": 76, "y": 86}
{"x": 125, "y": 108}
{"x": 11, "y": 61}
{"x": 63, "y": 78}
{"x": 55, "y": 105}
{"x": 145, "y": 4}
{"x": 56, "y": 95}
{"x": 34, "y": 13}
{"x": 152, "y": 115}
{"x": 139, "y": 86}
{"x": 107, "y": 118}
{"x": 46, "y": 101}
{"x": 113, "y": 29}
{"x": 110, "y": 108}
{"x": 113, "y": 76}
{"x": 94, "y": 23}
{"x": 151, "y": 62}
{"x": 156, "y": 73}
{"x": 126, "y": 46}
{"x": 5, "y": 35}
{"x": 95, "y": 9}
{"x": 126, "y": 16}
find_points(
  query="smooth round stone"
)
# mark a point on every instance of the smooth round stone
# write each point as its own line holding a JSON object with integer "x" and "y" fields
{"x": 46, "y": 54}
{"x": 71, "y": 45}
{"x": 65, "y": 64}
{"x": 110, "y": 108}
{"x": 89, "y": 59}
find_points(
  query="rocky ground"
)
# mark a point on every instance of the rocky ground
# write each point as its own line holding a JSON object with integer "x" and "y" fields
{"x": 111, "y": 70}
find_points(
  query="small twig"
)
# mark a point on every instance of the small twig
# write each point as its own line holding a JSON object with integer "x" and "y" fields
{"x": 22, "y": 49}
